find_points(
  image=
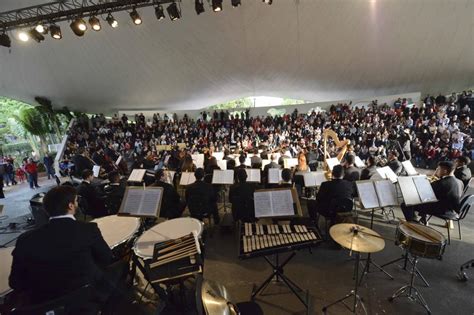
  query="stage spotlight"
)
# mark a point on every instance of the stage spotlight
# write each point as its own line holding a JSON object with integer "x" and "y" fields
{"x": 95, "y": 23}
{"x": 199, "y": 6}
{"x": 267, "y": 1}
{"x": 55, "y": 31}
{"x": 236, "y": 3}
{"x": 78, "y": 26}
{"x": 23, "y": 36}
{"x": 160, "y": 15}
{"x": 137, "y": 20}
{"x": 173, "y": 12}
{"x": 112, "y": 22}
{"x": 217, "y": 5}
{"x": 5, "y": 40}
{"x": 40, "y": 28}
{"x": 35, "y": 35}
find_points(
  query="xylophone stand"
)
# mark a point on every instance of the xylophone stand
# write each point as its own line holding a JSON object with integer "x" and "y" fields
{"x": 278, "y": 273}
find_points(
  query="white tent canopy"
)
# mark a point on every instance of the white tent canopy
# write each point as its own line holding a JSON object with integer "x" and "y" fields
{"x": 319, "y": 50}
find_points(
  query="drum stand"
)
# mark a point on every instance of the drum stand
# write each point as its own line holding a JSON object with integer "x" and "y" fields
{"x": 353, "y": 293}
{"x": 410, "y": 291}
{"x": 406, "y": 259}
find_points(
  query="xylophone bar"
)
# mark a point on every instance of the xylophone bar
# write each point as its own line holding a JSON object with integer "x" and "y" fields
{"x": 259, "y": 229}
{"x": 258, "y": 242}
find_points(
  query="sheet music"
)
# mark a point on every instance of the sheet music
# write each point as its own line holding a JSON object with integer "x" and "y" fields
{"x": 118, "y": 160}
{"x": 137, "y": 175}
{"x": 187, "y": 178}
{"x": 265, "y": 162}
{"x": 169, "y": 176}
{"x": 386, "y": 193}
{"x": 142, "y": 202}
{"x": 409, "y": 168}
{"x": 409, "y": 192}
{"x": 274, "y": 175}
{"x": 289, "y": 163}
{"x": 198, "y": 159}
{"x": 367, "y": 194}
{"x": 358, "y": 162}
{"x": 222, "y": 164}
{"x": 218, "y": 155}
{"x": 223, "y": 177}
{"x": 387, "y": 173}
{"x": 332, "y": 162}
{"x": 314, "y": 179}
{"x": 425, "y": 191}
{"x": 253, "y": 175}
{"x": 96, "y": 170}
{"x": 277, "y": 155}
{"x": 273, "y": 203}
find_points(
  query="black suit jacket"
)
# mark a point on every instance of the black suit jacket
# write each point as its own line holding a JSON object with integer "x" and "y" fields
{"x": 448, "y": 191}
{"x": 57, "y": 258}
{"x": 396, "y": 166}
{"x": 200, "y": 197}
{"x": 367, "y": 173}
{"x": 464, "y": 174}
{"x": 114, "y": 196}
{"x": 241, "y": 197}
{"x": 170, "y": 203}
{"x": 81, "y": 163}
{"x": 96, "y": 206}
{"x": 332, "y": 191}
{"x": 351, "y": 174}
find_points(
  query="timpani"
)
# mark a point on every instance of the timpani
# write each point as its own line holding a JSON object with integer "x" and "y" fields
{"x": 117, "y": 230}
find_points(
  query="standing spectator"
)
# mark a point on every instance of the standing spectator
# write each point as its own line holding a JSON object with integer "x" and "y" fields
{"x": 48, "y": 164}
{"x": 31, "y": 169}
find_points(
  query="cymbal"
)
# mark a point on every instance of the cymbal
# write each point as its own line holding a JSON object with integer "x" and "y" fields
{"x": 356, "y": 237}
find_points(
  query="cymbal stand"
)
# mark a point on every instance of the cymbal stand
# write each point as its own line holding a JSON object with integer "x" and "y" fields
{"x": 353, "y": 293}
{"x": 410, "y": 291}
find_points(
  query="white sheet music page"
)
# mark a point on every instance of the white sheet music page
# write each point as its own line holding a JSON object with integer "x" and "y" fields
{"x": 187, "y": 178}
{"x": 367, "y": 194}
{"x": 332, "y": 162}
{"x": 386, "y": 193}
{"x": 265, "y": 162}
{"x": 409, "y": 168}
{"x": 96, "y": 170}
{"x": 198, "y": 159}
{"x": 223, "y": 177}
{"x": 387, "y": 173}
{"x": 253, "y": 175}
{"x": 118, "y": 160}
{"x": 309, "y": 179}
{"x": 409, "y": 192}
{"x": 358, "y": 162}
{"x": 142, "y": 202}
{"x": 282, "y": 203}
{"x": 274, "y": 175}
{"x": 169, "y": 176}
{"x": 425, "y": 191}
{"x": 218, "y": 155}
{"x": 137, "y": 175}
{"x": 263, "y": 204}
{"x": 222, "y": 164}
{"x": 289, "y": 163}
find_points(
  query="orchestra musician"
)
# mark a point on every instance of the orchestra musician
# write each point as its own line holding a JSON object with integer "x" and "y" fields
{"x": 394, "y": 163}
{"x": 286, "y": 179}
{"x": 64, "y": 255}
{"x": 171, "y": 205}
{"x": 188, "y": 164}
{"x": 351, "y": 173}
{"x": 370, "y": 170}
{"x": 81, "y": 162}
{"x": 255, "y": 160}
{"x": 114, "y": 192}
{"x": 241, "y": 197}
{"x": 463, "y": 172}
{"x": 95, "y": 204}
{"x": 448, "y": 190}
{"x": 201, "y": 198}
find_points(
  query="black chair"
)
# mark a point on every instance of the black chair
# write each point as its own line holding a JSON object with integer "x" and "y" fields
{"x": 466, "y": 204}
{"x": 76, "y": 302}
{"x": 335, "y": 208}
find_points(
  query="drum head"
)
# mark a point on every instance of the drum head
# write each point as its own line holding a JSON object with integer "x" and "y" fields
{"x": 167, "y": 230}
{"x": 422, "y": 233}
{"x": 117, "y": 229}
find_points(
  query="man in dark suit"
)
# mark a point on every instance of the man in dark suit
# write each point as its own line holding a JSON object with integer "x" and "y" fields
{"x": 255, "y": 160}
{"x": 286, "y": 179}
{"x": 241, "y": 197}
{"x": 462, "y": 171}
{"x": 394, "y": 163}
{"x": 201, "y": 198}
{"x": 171, "y": 205}
{"x": 351, "y": 173}
{"x": 370, "y": 170}
{"x": 95, "y": 204}
{"x": 448, "y": 190}
{"x": 272, "y": 164}
{"x": 64, "y": 255}
{"x": 114, "y": 192}
{"x": 81, "y": 162}
{"x": 334, "y": 196}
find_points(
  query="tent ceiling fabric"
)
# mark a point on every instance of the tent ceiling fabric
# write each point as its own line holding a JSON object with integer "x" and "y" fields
{"x": 318, "y": 50}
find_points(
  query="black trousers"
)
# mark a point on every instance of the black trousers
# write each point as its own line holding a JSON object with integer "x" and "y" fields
{"x": 423, "y": 210}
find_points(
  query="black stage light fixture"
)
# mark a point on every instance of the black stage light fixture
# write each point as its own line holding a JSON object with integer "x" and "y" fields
{"x": 199, "y": 6}
{"x": 160, "y": 15}
{"x": 55, "y": 31}
{"x": 78, "y": 26}
{"x": 217, "y": 5}
{"x": 35, "y": 35}
{"x": 111, "y": 20}
{"x": 5, "y": 40}
{"x": 267, "y": 1}
{"x": 173, "y": 12}
{"x": 236, "y": 3}
{"x": 40, "y": 28}
{"x": 95, "y": 23}
{"x": 137, "y": 20}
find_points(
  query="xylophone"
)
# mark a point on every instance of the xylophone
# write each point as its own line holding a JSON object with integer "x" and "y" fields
{"x": 262, "y": 240}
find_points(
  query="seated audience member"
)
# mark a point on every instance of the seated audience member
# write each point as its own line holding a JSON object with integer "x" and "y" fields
{"x": 64, "y": 255}
{"x": 95, "y": 203}
{"x": 448, "y": 190}
{"x": 241, "y": 197}
{"x": 370, "y": 170}
{"x": 114, "y": 192}
{"x": 334, "y": 196}
{"x": 351, "y": 173}
{"x": 394, "y": 163}
{"x": 201, "y": 198}
{"x": 171, "y": 205}
{"x": 462, "y": 171}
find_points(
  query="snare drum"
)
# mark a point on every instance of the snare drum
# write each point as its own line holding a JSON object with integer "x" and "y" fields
{"x": 117, "y": 230}
{"x": 167, "y": 230}
{"x": 418, "y": 244}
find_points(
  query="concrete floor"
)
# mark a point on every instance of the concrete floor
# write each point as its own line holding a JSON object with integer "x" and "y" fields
{"x": 326, "y": 272}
